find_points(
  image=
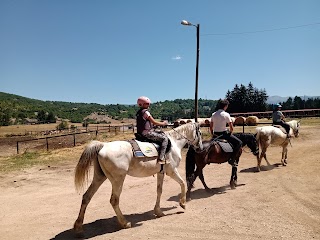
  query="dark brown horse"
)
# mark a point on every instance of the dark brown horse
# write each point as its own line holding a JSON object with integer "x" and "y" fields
{"x": 213, "y": 153}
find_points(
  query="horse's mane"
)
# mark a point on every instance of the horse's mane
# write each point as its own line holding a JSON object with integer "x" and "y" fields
{"x": 180, "y": 131}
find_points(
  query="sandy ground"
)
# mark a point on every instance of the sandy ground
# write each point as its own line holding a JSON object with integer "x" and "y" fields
{"x": 277, "y": 203}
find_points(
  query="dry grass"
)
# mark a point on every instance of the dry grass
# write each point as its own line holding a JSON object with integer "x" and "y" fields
{"x": 61, "y": 156}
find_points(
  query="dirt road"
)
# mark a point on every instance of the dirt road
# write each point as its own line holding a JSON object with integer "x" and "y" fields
{"x": 277, "y": 203}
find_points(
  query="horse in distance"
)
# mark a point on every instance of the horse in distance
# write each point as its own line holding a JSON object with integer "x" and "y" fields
{"x": 274, "y": 135}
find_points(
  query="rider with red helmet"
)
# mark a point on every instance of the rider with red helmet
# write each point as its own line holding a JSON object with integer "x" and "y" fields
{"x": 145, "y": 123}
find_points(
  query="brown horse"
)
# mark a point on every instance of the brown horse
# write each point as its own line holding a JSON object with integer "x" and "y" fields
{"x": 213, "y": 153}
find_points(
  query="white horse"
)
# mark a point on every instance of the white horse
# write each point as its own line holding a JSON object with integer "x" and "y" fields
{"x": 114, "y": 160}
{"x": 276, "y": 136}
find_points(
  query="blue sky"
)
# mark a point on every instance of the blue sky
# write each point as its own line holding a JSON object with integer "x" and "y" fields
{"x": 108, "y": 51}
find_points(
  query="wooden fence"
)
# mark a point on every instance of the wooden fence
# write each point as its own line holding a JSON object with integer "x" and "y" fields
{"x": 70, "y": 139}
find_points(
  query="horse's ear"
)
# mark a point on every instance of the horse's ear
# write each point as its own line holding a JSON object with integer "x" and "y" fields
{"x": 299, "y": 121}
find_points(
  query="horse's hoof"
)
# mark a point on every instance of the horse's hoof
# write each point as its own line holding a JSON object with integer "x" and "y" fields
{"x": 183, "y": 205}
{"x": 126, "y": 225}
{"x": 285, "y": 161}
{"x": 158, "y": 213}
{"x": 78, "y": 230}
{"x": 233, "y": 185}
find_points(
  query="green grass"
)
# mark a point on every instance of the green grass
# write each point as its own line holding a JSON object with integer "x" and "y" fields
{"x": 21, "y": 161}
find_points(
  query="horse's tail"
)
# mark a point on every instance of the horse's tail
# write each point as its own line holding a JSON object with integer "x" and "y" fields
{"x": 82, "y": 169}
{"x": 190, "y": 165}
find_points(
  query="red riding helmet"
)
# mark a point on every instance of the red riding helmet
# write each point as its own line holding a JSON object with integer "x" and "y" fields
{"x": 142, "y": 100}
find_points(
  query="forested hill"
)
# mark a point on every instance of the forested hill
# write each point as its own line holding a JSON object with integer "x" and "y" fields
{"x": 18, "y": 107}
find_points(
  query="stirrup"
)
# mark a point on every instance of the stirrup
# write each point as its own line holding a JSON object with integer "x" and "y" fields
{"x": 163, "y": 161}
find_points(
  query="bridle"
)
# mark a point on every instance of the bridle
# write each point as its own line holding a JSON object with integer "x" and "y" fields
{"x": 198, "y": 135}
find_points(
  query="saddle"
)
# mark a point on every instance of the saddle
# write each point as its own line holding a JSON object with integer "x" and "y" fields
{"x": 282, "y": 129}
{"x": 208, "y": 152}
{"x": 225, "y": 146}
{"x": 143, "y": 147}
{"x": 223, "y": 143}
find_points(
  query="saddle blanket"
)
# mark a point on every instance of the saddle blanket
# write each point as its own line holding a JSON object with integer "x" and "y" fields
{"x": 226, "y": 146}
{"x": 144, "y": 149}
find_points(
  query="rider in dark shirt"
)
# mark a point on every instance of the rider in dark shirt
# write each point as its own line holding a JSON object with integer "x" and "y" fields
{"x": 278, "y": 119}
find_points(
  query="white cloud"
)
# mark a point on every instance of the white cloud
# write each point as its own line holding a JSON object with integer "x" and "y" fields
{"x": 176, "y": 58}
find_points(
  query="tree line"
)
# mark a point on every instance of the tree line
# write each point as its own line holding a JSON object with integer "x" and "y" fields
{"x": 16, "y": 109}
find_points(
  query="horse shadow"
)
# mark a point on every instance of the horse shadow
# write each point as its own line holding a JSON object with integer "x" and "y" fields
{"x": 109, "y": 225}
{"x": 203, "y": 193}
{"x": 262, "y": 168}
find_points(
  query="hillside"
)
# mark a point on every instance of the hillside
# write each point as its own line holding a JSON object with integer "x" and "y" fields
{"x": 18, "y": 107}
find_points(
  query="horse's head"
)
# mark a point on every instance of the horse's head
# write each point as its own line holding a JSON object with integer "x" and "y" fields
{"x": 253, "y": 144}
{"x": 187, "y": 133}
{"x": 295, "y": 126}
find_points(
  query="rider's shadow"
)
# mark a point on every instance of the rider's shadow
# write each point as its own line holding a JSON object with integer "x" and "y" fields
{"x": 108, "y": 225}
{"x": 262, "y": 168}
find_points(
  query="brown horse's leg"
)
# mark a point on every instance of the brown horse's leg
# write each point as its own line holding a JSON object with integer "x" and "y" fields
{"x": 96, "y": 183}
{"x": 201, "y": 177}
{"x": 233, "y": 180}
{"x": 157, "y": 209}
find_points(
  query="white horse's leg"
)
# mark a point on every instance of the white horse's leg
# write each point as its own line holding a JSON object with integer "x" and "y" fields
{"x": 157, "y": 209}
{"x": 284, "y": 155}
{"x": 96, "y": 183}
{"x": 262, "y": 154}
{"x": 174, "y": 174}
{"x": 117, "y": 185}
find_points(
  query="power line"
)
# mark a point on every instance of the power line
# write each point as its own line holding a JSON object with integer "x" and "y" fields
{"x": 261, "y": 31}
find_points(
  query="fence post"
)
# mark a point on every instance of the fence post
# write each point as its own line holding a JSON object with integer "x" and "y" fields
{"x": 47, "y": 144}
{"x": 74, "y": 140}
{"x": 17, "y": 147}
{"x": 243, "y": 127}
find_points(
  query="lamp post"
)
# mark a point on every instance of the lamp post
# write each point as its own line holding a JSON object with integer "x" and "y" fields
{"x": 186, "y": 23}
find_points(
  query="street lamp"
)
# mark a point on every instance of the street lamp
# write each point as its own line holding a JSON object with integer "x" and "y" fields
{"x": 186, "y": 23}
